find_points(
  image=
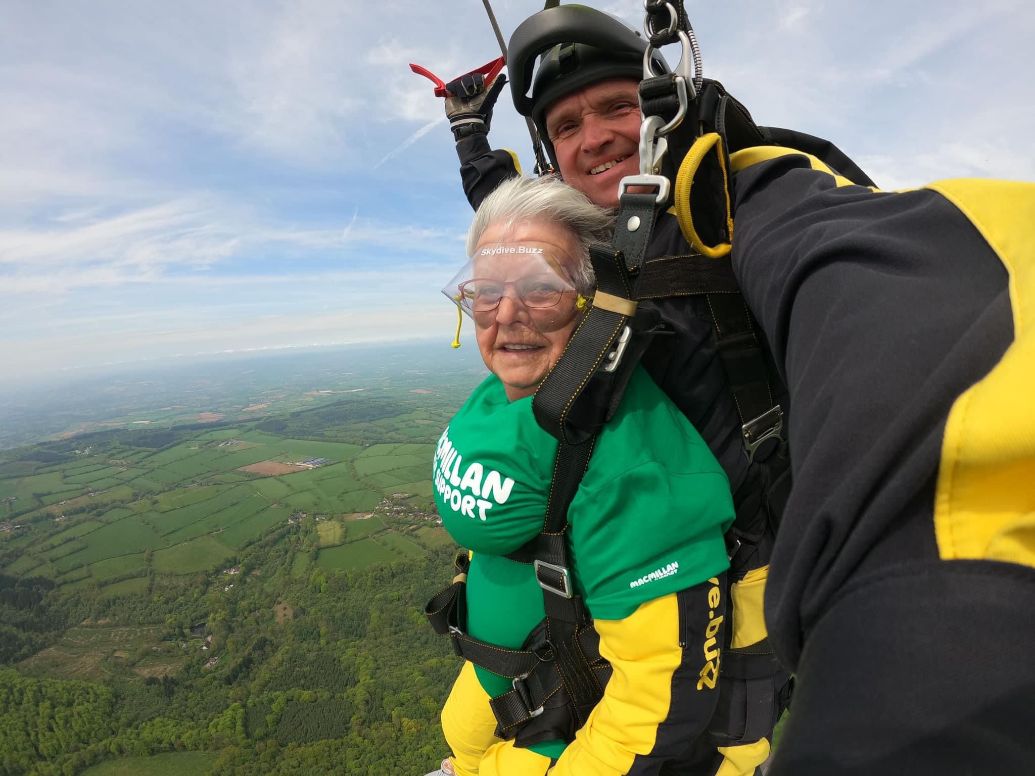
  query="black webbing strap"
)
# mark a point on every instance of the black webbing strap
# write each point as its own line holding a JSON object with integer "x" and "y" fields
{"x": 550, "y": 546}
{"x": 736, "y": 333}
{"x": 634, "y": 226}
{"x": 754, "y": 691}
{"x": 590, "y": 345}
{"x": 447, "y": 608}
{"x": 744, "y": 361}
{"x": 592, "y": 365}
{"x": 510, "y": 663}
{"x": 741, "y": 354}
{"x": 570, "y": 668}
{"x": 543, "y": 689}
{"x": 446, "y": 611}
{"x": 692, "y": 275}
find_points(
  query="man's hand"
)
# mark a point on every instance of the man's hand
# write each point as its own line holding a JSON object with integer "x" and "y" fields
{"x": 469, "y": 106}
{"x": 470, "y": 97}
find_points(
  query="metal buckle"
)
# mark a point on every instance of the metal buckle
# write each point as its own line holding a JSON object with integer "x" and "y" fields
{"x": 663, "y": 184}
{"x": 766, "y": 426}
{"x": 565, "y": 591}
{"x": 454, "y": 638}
{"x": 614, "y": 358}
{"x": 518, "y": 683}
{"x": 732, "y": 548}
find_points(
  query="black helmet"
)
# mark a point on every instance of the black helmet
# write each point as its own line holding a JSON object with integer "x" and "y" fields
{"x": 579, "y": 46}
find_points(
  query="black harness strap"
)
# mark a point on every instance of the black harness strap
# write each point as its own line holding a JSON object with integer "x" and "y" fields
{"x": 746, "y": 368}
{"x": 691, "y": 275}
{"x": 737, "y": 339}
{"x": 558, "y": 405}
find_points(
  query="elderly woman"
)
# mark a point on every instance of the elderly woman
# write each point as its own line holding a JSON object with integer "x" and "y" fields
{"x": 645, "y": 528}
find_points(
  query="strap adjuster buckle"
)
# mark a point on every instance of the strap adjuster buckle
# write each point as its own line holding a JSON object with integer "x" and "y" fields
{"x": 455, "y": 634}
{"x": 521, "y": 688}
{"x": 768, "y": 425}
{"x": 564, "y": 576}
{"x": 614, "y": 358}
{"x": 660, "y": 182}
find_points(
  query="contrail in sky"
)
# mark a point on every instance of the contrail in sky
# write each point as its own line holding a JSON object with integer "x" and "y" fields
{"x": 345, "y": 232}
{"x": 410, "y": 140}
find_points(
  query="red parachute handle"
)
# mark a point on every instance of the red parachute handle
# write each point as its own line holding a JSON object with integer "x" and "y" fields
{"x": 489, "y": 72}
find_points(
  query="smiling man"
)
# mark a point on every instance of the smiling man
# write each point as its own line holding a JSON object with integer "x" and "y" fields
{"x": 595, "y": 134}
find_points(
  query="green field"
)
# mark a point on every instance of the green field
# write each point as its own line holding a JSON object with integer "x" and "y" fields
{"x": 119, "y": 568}
{"x": 399, "y": 544}
{"x": 355, "y": 555}
{"x": 201, "y": 554}
{"x": 331, "y": 533}
{"x": 177, "y": 502}
{"x": 434, "y": 536}
{"x": 85, "y": 652}
{"x": 76, "y": 530}
{"x": 124, "y": 537}
{"x": 361, "y": 528}
{"x": 253, "y": 526}
{"x": 136, "y": 586}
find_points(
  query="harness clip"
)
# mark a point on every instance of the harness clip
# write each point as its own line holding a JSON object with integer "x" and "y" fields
{"x": 663, "y": 185}
{"x": 521, "y": 688}
{"x": 563, "y": 576}
{"x": 768, "y": 425}
{"x": 614, "y": 358}
{"x": 455, "y": 634}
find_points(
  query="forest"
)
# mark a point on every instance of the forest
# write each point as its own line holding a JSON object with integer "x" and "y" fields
{"x": 348, "y": 680}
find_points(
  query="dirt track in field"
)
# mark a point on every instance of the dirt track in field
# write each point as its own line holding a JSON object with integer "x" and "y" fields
{"x": 272, "y": 468}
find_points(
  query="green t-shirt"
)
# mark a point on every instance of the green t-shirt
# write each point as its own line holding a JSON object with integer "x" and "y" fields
{"x": 648, "y": 518}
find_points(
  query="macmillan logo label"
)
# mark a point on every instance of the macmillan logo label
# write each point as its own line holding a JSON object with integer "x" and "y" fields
{"x": 669, "y": 570}
{"x": 468, "y": 488}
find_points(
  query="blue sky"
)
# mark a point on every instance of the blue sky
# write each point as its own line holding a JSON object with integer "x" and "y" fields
{"x": 197, "y": 177}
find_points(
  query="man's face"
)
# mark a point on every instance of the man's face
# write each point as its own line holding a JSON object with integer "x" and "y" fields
{"x": 596, "y": 137}
{"x": 520, "y": 344}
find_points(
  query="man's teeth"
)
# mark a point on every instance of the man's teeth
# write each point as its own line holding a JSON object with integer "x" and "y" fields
{"x": 607, "y": 165}
{"x": 520, "y": 347}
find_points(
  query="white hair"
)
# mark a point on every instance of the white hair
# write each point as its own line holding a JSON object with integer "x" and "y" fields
{"x": 551, "y": 200}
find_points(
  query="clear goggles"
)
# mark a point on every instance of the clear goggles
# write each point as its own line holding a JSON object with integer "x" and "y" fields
{"x": 526, "y": 273}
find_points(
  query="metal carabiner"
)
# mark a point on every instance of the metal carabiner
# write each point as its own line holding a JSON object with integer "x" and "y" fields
{"x": 652, "y": 149}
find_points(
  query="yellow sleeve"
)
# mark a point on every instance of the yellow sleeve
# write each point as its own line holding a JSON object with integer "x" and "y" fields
{"x": 467, "y": 722}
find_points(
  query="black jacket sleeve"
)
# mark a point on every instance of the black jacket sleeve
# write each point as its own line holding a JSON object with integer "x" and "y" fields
{"x": 881, "y": 309}
{"x": 482, "y": 169}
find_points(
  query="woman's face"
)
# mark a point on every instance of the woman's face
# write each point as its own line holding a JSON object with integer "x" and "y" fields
{"x": 520, "y": 344}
